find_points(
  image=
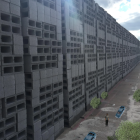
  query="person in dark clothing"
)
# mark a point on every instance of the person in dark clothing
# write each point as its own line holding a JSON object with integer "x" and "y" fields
{"x": 106, "y": 119}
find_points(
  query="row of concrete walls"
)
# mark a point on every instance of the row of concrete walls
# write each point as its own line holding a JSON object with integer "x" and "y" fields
{"x": 55, "y": 56}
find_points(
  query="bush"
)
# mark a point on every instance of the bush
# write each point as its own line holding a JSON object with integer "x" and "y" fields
{"x": 128, "y": 131}
{"x": 136, "y": 95}
{"x": 104, "y": 95}
{"x": 111, "y": 138}
{"x": 95, "y": 102}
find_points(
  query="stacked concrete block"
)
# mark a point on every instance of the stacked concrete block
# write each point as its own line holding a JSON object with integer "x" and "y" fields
{"x": 125, "y": 46}
{"x": 12, "y": 83}
{"x": 115, "y": 63}
{"x": 137, "y": 49}
{"x": 117, "y": 46}
{"x": 101, "y": 43}
{"x": 73, "y": 79}
{"x": 119, "y": 50}
{"x": 134, "y": 52}
{"x": 73, "y": 63}
{"x": 43, "y": 60}
{"x": 130, "y": 51}
{"x": 55, "y": 56}
{"x": 127, "y": 53}
{"x": 108, "y": 51}
{"x": 90, "y": 51}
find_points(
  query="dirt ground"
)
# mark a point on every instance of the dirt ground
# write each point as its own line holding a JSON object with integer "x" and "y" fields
{"x": 94, "y": 120}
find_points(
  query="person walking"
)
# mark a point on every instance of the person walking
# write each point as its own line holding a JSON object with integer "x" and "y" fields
{"x": 106, "y": 119}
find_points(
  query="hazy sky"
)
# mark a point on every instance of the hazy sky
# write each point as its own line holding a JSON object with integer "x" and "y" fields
{"x": 126, "y": 12}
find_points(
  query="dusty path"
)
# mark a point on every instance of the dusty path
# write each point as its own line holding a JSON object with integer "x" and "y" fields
{"x": 121, "y": 94}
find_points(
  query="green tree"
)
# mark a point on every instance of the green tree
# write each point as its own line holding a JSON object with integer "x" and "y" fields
{"x": 128, "y": 131}
{"x": 95, "y": 102}
{"x": 104, "y": 95}
{"x": 136, "y": 95}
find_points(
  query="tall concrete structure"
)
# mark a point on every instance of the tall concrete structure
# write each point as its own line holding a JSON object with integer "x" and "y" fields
{"x": 100, "y": 61}
{"x": 90, "y": 51}
{"x": 55, "y": 56}
{"x": 13, "y": 120}
{"x": 42, "y": 40}
{"x": 73, "y": 63}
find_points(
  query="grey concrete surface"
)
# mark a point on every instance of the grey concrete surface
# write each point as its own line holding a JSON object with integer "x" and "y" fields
{"x": 121, "y": 94}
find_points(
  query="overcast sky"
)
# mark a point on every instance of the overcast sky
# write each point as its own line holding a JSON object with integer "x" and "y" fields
{"x": 126, "y": 12}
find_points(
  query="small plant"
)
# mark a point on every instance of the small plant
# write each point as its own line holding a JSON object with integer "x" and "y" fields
{"x": 111, "y": 138}
{"x": 95, "y": 102}
{"x": 136, "y": 95}
{"x": 104, "y": 95}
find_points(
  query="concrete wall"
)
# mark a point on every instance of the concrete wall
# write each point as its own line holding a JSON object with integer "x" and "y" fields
{"x": 55, "y": 56}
